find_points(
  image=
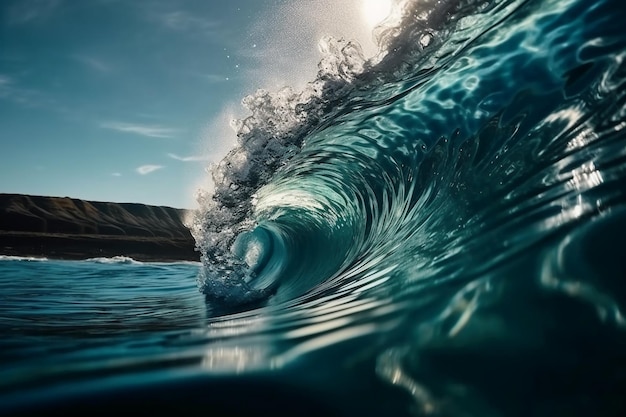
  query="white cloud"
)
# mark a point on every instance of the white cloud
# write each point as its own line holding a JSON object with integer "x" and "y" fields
{"x": 5, "y": 86}
{"x": 148, "y": 169}
{"x": 11, "y": 90}
{"x": 25, "y": 11}
{"x": 181, "y": 20}
{"x": 95, "y": 64}
{"x": 192, "y": 158}
{"x": 116, "y": 174}
{"x": 215, "y": 78}
{"x": 153, "y": 131}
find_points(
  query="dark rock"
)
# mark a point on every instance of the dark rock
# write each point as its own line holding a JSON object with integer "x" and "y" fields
{"x": 76, "y": 229}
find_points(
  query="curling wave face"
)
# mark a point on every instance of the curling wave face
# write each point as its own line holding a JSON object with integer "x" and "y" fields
{"x": 438, "y": 201}
{"x": 454, "y": 206}
{"x": 476, "y": 118}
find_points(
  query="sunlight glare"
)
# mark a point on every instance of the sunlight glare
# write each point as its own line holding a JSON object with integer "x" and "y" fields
{"x": 375, "y": 11}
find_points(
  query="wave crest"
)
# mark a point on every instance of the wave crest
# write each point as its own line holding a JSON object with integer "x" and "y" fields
{"x": 279, "y": 122}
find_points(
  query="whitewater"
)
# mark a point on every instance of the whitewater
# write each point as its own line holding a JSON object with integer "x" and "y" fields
{"x": 438, "y": 230}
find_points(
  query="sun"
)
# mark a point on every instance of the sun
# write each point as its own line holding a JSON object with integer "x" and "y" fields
{"x": 375, "y": 11}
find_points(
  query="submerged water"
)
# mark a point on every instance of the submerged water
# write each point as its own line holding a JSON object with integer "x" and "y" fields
{"x": 437, "y": 231}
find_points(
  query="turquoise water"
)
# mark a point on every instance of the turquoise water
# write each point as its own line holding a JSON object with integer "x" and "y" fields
{"x": 437, "y": 231}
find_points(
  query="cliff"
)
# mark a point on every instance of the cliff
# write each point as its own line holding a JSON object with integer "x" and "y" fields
{"x": 68, "y": 228}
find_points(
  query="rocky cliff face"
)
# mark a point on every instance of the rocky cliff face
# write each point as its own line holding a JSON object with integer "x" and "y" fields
{"x": 25, "y": 213}
{"x": 58, "y": 227}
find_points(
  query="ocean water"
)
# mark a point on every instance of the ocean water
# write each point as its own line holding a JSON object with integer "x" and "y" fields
{"x": 437, "y": 231}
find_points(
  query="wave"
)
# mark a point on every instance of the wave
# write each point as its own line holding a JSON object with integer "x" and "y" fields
{"x": 125, "y": 260}
{"x": 478, "y": 124}
{"x": 22, "y": 258}
{"x": 275, "y": 133}
{"x": 436, "y": 231}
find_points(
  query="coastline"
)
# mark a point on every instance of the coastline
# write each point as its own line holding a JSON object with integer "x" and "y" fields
{"x": 72, "y": 229}
{"x": 80, "y": 247}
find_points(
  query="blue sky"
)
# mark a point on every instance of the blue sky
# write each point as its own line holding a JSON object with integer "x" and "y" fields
{"x": 128, "y": 101}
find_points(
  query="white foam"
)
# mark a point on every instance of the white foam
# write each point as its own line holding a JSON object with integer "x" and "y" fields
{"x": 113, "y": 260}
{"x": 22, "y": 258}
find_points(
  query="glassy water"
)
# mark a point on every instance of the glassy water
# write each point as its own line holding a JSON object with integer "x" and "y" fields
{"x": 437, "y": 231}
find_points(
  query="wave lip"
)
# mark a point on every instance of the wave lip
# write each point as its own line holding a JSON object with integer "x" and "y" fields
{"x": 276, "y": 131}
{"x": 389, "y": 163}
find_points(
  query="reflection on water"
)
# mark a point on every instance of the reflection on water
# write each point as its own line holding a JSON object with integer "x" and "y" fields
{"x": 569, "y": 268}
{"x": 236, "y": 359}
{"x": 447, "y": 241}
{"x": 389, "y": 367}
